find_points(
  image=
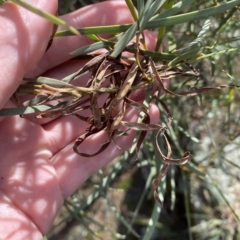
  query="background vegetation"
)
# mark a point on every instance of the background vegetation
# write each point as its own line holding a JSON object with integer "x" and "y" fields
{"x": 201, "y": 198}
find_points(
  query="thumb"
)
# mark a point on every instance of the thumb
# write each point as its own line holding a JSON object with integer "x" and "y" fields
{"x": 23, "y": 41}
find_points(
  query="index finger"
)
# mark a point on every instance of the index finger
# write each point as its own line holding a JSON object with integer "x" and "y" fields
{"x": 22, "y": 44}
{"x": 104, "y": 13}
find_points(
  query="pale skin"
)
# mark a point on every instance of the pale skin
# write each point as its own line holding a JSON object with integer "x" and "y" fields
{"x": 38, "y": 168}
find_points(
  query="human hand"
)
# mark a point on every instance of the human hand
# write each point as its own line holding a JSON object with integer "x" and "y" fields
{"x": 38, "y": 168}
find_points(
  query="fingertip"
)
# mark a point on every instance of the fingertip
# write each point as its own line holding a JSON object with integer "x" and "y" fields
{"x": 154, "y": 113}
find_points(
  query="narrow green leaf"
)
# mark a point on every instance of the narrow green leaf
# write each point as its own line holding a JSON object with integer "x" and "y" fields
{"x": 176, "y": 8}
{"x": 32, "y": 109}
{"x": 112, "y": 29}
{"x": 152, "y": 221}
{"x": 89, "y": 48}
{"x": 195, "y": 15}
{"x": 124, "y": 40}
{"x": 140, "y": 7}
{"x": 95, "y": 46}
{"x": 144, "y": 192}
{"x": 160, "y": 56}
{"x": 46, "y": 15}
{"x": 148, "y": 5}
{"x": 132, "y": 9}
{"x": 191, "y": 54}
{"x": 149, "y": 12}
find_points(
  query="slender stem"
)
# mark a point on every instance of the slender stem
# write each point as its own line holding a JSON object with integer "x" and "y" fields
{"x": 132, "y": 9}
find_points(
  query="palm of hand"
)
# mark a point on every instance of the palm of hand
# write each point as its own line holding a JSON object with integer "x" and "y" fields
{"x": 29, "y": 182}
{"x": 40, "y": 169}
